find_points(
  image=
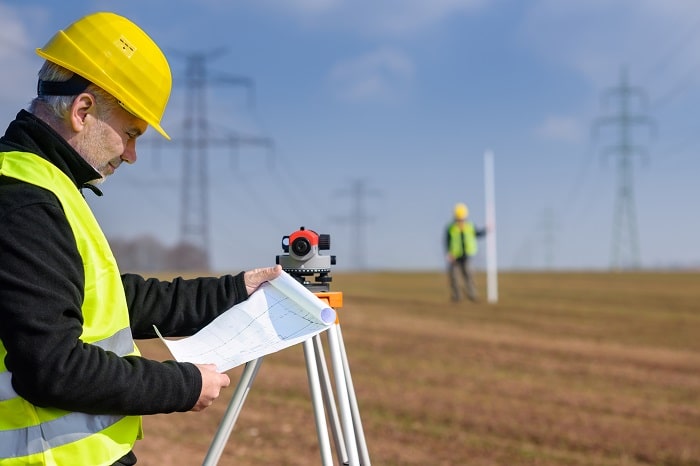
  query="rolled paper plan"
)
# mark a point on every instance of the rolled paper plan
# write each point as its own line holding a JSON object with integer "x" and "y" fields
{"x": 279, "y": 314}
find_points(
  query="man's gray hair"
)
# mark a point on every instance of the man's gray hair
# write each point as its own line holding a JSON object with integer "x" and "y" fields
{"x": 58, "y": 106}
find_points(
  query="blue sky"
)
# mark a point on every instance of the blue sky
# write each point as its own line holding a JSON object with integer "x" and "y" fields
{"x": 399, "y": 100}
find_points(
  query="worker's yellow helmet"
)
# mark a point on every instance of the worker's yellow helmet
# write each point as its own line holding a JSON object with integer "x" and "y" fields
{"x": 461, "y": 211}
{"x": 116, "y": 55}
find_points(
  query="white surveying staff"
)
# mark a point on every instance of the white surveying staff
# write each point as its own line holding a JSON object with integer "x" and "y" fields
{"x": 490, "y": 196}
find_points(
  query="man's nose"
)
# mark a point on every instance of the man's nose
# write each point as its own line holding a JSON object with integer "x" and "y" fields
{"x": 129, "y": 155}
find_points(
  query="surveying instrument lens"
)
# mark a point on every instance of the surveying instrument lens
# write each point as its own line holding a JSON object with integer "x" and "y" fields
{"x": 301, "y": 246}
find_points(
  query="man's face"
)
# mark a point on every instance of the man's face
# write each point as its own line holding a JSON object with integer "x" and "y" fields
{"x": 106, "y": 143}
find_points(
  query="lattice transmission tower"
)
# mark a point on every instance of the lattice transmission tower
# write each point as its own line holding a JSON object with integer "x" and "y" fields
{"x": 625, "y": 237}
{"x": 358, "y": 218}
{"x": 547, "y": 226}
{"x": 196, "y": 141}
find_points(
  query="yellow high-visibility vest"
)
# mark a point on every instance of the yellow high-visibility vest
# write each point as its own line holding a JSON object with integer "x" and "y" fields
{"x": 462, "y": 240}
{"x": 31, "y": 435}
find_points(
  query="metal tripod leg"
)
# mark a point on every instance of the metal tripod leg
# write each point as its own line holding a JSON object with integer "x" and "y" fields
{"x": 316, "y": 399}
{"x": 342, "y": 394}
{"x": 348, "y": 424}
{"x": 353, "y": 439}
{"x": 232, "y": 412}
{"x": 357, "y": 422}
{"x": 245, "y": 383}
{"x": 329, "y": 400}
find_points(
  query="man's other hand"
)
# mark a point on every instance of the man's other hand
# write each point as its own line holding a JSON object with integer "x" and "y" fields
{"x": 212, "y": 383}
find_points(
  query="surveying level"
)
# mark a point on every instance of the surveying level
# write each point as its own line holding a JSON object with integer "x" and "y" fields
{"x": 303, "y": 258}
{"x": 339, "y": 408}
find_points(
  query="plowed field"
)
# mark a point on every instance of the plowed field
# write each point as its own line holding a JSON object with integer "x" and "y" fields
{"x": 565, "y": 369}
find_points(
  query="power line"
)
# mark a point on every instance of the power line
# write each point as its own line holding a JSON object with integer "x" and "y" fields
{"x": 680, "y": 45}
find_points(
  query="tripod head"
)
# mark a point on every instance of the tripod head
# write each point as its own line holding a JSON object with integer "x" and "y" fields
{"x": 303, "y": 259}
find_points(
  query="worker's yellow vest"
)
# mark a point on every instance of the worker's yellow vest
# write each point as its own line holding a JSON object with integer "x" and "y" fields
{"x": 30, "y": 435}
{"x": 462, "y": 240}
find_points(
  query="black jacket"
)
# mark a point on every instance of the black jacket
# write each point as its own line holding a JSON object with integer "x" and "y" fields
{"x": 41, "y": 291}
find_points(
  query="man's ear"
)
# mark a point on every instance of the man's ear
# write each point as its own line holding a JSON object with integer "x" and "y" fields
{"x": 82, "y": 106}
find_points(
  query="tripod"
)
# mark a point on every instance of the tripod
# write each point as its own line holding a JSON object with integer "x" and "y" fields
{"x": 344, "y": 416}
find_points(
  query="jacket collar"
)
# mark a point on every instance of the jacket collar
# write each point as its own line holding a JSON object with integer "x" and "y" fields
{"x": 30, "y": 134}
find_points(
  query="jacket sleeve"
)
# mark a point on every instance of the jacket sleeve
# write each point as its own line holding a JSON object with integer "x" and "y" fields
{"x": 447, "y": 239}
{"x": 41, "y": 291}
{"x": 179, "y": 307}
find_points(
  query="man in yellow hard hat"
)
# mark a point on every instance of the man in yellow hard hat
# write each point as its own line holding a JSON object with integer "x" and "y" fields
{"x": 460, "y": 247}
{"x": 72, "y": 382}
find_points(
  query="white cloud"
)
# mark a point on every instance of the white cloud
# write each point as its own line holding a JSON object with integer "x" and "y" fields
{"x": 561, "y": 128}
{"x": 407, "y": 16}
{"x": 597, "y": 37}
{"x": 12, "y": 33}
{"x": 376, "y": 17}
{"x": 19, "y": 62}
{"x": 378, "y": 74}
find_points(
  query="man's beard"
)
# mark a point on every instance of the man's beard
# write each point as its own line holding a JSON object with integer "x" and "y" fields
{"x": 92, "y": 149}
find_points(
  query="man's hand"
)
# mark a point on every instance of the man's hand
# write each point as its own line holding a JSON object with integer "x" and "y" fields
{"x": 256, "y": 277}
{"x": 212, "y": 383}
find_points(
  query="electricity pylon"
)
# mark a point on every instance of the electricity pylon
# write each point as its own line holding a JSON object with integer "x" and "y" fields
{"x": 197, "y": 139}
{"x": 547, "y": 226}
{"x": 625, "y": 238}
{"x": 358, "y": 218}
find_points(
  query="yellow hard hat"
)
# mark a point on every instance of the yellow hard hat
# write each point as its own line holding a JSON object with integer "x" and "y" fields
{"x": 116, "y": 55}
{"x": 461, "y": 211}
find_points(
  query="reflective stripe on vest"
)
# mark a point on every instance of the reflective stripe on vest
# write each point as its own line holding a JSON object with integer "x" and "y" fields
{"x": 462, "y": 240}
{"x": 66, "y": 429}
{"x": 48, "y": 436}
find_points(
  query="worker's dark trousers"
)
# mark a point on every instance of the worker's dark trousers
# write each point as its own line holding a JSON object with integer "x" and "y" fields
{"x": 461, "y": 266}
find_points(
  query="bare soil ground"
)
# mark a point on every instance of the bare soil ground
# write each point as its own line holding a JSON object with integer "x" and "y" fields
{"x": 566, "y": 369}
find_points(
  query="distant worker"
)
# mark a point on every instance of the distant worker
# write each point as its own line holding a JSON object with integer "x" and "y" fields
{"x": 461, "y": 247}
{"x": 73, "y": 385}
